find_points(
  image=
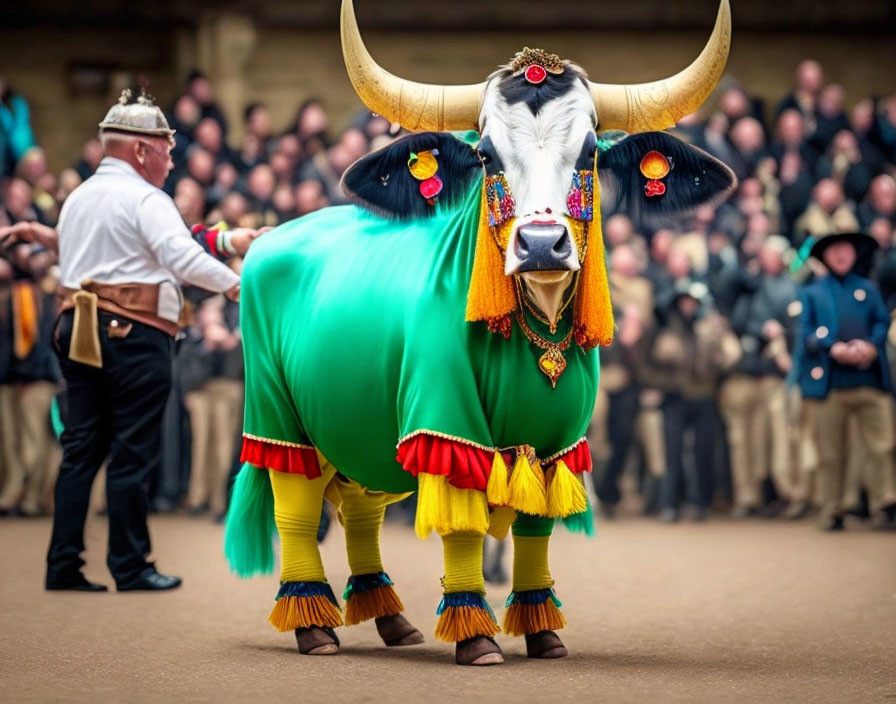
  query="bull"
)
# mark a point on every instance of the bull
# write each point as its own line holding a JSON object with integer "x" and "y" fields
{"x": 452, "y": 312}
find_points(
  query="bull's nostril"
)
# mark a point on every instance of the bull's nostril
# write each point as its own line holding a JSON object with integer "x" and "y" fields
{"x": 561, "y": 246}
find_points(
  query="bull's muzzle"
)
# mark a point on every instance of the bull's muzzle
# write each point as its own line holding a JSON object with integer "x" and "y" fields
{"x": 542, "y": 247}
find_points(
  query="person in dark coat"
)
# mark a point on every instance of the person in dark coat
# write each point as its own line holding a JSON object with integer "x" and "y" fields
{"x": 842, "y": 370}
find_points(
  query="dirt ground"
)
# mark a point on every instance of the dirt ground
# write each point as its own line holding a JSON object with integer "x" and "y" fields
{"x": 721, "y": 611}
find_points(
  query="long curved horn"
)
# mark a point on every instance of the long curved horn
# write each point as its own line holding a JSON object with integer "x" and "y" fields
{"x": 658, "y": 105}
{"x": 415, "y": 106}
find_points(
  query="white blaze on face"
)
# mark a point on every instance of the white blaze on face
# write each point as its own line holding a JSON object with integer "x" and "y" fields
{"x": 539, "y": 154}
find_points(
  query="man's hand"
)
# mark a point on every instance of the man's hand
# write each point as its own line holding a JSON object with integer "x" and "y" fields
{"x": 863, "y": 353}
{"x": 840, "y": 353}
{"x": 31, "y": 233}
{"x": 241, "y": 238}
{"x": 233, "y": 293}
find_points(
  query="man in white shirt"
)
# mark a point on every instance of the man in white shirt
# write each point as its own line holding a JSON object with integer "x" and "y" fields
{"x": 123, "y": 252}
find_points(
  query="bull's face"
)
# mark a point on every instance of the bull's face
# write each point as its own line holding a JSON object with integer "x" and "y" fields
{"x": 537, "y": 120}
{"x": 538, "y": 139}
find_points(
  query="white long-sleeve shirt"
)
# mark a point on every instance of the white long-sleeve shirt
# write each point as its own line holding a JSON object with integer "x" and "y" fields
{"x": 117, "y": 228}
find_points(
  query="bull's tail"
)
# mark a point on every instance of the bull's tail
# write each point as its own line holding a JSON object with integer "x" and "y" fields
{"x": 248, "y": 536}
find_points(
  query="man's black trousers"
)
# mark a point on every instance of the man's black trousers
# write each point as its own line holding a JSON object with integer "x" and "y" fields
{"x": 115, "y": 413}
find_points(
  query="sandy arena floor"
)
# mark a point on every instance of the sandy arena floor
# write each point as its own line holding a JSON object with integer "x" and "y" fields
{"x": 762, "y": 612}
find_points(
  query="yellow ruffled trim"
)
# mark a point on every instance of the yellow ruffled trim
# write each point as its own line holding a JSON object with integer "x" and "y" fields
{"x": 445, "y": 509}
{"x": 521, "y": 619}
{"x": 292, "y": 612}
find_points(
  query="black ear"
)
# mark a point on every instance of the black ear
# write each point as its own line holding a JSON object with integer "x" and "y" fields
{"x": 694, "y": 177}
{"x": 383, "y": 183}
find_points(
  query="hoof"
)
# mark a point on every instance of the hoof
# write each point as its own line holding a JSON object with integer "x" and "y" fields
{"x": 479, "y": 650}
{"x": 317, "y": 641}
{"x": 396, "y": 631}
{"x": 545, "y": 645}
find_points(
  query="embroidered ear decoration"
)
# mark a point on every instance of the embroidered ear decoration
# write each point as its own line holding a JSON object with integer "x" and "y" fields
{"x": 580, "y": 199}
{"x": 655, "y": 167}
{"x": 423, "y": 167}
{"x": 499, "y": 199}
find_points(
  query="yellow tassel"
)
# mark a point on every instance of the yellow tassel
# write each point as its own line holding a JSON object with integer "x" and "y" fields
{"x": 520, "y": 619}
{"x": 292, "y": 612}
{"x": 491, "y": 293}
{"x": 500, "y": 520}
{"x": 373, "y": 603}
{"x": 527, "y": 487}
{"x": 447, "y": 509}
{"x": 497, "y": 491}
{"x": 593, "y": 317}
{"x": 458, "y": 623}
{"x": 565, "y": 492}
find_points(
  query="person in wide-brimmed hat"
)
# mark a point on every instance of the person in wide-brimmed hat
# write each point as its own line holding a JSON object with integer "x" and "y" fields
{"x": 842, "y": 369}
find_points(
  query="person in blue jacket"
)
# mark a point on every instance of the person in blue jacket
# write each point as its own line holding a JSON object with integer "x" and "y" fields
{"x": 843, "y": 372}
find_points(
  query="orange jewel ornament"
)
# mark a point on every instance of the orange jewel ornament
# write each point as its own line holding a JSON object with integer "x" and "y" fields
{"x": 655, "y": 167}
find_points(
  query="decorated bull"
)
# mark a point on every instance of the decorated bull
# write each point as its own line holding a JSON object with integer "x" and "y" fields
{"x": 452, "y": 313}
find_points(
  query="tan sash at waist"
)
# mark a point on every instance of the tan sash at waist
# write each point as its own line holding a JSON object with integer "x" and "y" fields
{"x": 139, "y": 302}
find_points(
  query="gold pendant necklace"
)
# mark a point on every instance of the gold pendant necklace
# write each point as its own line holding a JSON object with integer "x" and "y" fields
{"x": 538, "y": 315}
{"x": 552, "y": 363}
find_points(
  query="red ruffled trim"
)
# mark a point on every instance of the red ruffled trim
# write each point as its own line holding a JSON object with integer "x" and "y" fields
{"x": 280, "y": 458}
{"x": 578, "y": 459}
{"x": 465, "y": 466}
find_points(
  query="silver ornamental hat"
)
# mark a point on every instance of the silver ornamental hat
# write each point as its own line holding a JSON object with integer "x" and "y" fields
{"x": 141, "y": 116}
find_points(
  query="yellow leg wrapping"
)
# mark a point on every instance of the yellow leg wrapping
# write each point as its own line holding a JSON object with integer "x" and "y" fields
{"x": 361, "y": 514}
{"x": 464, "y": 612}
{"x": 531, "y": 573}
{"x": 297, "y": 506}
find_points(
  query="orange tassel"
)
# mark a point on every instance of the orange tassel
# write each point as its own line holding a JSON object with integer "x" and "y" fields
{"x": 491, "y": 294}
{"x": 292, "y": 612}
{"x": 520, "y": 619}
{"x": 457, "y": 623}
{"x": 372, "y": 603}
{"x": 593, "y": 323}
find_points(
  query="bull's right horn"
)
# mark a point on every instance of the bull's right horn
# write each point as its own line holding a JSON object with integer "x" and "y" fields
{"x": 418, "y": 107}
{"x": 661, "y": 104}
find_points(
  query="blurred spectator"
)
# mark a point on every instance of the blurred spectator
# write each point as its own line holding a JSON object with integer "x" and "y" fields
{"x": 880, "y": 203}
{"x": 210, "y": 136}
{"x": 257, "y": 120}
{"x": 753, "y": 399}
{"x": 310, "y": 126}
{"x": 690, "y": 350}
{"x": 808, "y": 80}
{"x": 200, "y": 89}
{"x": 91, "y": 156}
{"x": 830, "y": 116}
{"x": 16, "y": 135}
{"x": 827, "y": 212}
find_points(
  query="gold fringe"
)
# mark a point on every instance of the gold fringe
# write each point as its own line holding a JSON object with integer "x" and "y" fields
{"x": 520, "y": 619}
{"x": 527, "y": 487}
{"x": 500, "y": 520}
{"x": 292, "y": 612}
{"x": 593, "y": 315}
{"x": 372, "y": 603}
{"x": 447, "y": 509}
{"x": 497, "y": 491}
{"x": 491, "y": 293}
{"x": 565, "y": 492}
{"x": 458, "y": 623}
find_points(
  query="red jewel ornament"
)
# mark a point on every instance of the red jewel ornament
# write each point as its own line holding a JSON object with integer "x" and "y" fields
{"x": 654, "y": 188}
{"x": 430, "y": 188}
{"x": 535, "y": 74}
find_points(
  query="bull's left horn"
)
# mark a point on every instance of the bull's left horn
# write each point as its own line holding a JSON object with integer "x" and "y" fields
{"x": 661, "y": 104}
{"x": 415, "y": 106}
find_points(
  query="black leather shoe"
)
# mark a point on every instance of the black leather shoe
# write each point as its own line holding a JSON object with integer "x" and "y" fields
{"x": 150, "y": 581}
{"x": 78, "y": 584}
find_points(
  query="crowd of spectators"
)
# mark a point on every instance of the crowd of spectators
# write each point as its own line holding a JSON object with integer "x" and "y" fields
{"x": 705, "y": 306}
